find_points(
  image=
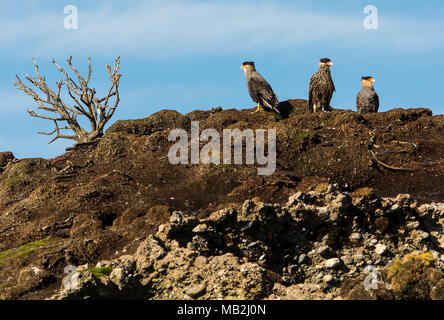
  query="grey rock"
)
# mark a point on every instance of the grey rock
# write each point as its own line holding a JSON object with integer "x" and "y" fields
{"x": 326, "y": 252}
{"x": 413, "y": 225}
{"x": 328, "y": 279}
{"x": 196, "y": 291}
{"x": 200, "y": 228}
{"x": 348, "y": 260}
{"x": 380, "y": 249}
{"x": 355, "y": 236}
{"x": 292, "y": 269}
{"x": 425, "y": 235}
{"x": 333, "y": 263}
{"x": 394, "y": 208}
{"x": 304, "y": 259}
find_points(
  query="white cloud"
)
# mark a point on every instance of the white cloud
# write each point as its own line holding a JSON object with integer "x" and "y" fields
{"x": 175, "y": 28}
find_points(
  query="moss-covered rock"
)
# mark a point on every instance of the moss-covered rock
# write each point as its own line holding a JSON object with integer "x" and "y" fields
{"x": 365, "y": 192}
{"x": 112, "y": 145}
{"x": 27, "y": 166}
{"x": 25, "y": 250}
{"x": 162, "y": 120}
{"x": 99, "y": 272}
{"x": 20, "y": 174}
{"x": 414, "y": 278}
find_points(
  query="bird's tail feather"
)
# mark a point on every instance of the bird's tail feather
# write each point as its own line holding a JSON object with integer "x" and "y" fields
{"x": 273, "y": 107}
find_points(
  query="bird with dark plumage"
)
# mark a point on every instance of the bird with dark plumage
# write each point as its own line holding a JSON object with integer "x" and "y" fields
{"x": 321, "y": 87}
{"x": 259, "y": 89}
{"x": 367, "y": 100}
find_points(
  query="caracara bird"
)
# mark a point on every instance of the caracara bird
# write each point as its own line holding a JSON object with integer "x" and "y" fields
{"x": 367, "y": 100}
{"x": 259, "y": 89}
{"x": 321, "y": 87}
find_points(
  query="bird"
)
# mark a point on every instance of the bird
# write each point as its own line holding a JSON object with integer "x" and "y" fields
{"x": 367, "y": 100}
{"x": 321, "y": 87}
{"x": 259, "y": 89}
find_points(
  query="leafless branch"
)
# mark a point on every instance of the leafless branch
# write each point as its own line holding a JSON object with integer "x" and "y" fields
{"x": 85, "y": 103}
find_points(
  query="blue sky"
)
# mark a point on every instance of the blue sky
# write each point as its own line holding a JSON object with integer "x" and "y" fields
{"x": 186, "y": 55}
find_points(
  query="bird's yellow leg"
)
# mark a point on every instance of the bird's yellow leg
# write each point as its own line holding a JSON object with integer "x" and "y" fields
{"x": 259, "y": 108}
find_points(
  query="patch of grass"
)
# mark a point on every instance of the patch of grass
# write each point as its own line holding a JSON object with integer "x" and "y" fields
{"x": 99, "y": 272}
{"x": 14, "y": 179}
{"x": 294, "y": 134}
{"x": 24, "y": 250}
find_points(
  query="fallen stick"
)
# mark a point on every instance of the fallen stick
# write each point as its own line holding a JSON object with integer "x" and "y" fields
{"x": 390, "y": 167}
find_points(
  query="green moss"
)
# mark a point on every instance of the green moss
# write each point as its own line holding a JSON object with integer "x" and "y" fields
{"x": 14, "y": 179}
{"x": 99, "y": 272}
{"x": 300, "y": 135}
{"x": 412, "y": 277}
{"x": 425, "y": 258}
{"x": 294, "y": 138}
{"x": 24, "y": 250}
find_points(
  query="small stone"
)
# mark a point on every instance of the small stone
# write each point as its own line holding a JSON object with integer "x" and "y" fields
{"x": 176, "y": 218}
{"x": 323, "y": 213}
{"x": 197, "y": 291}
{"x": 358, "y": 257}
{"x": 292, "y": 269}
{"x": 348, "y": 260}
{"x": 326, "y": 252}
{"x": 293, "y": 200}
{"x": 328, "y": 278}
{"x": 304, "y": 259}
{"x": 380, "y": 249}
{"x": 355, "y": 236}
{"x": 333, "y": 263}
{"x": 424, "y": 235}
{"x": 394, "y": 208}
{"x": 200, "y": 228}
{"x": 413, "y": 225}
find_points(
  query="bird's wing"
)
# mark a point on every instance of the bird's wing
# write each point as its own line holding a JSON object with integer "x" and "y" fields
{"x": 376, "y": 102}
{"x": 310, "y": 94}
{"x": 359, "y": 102}
{"x": 367, "y": 101}
{"x": 260, "y": 89}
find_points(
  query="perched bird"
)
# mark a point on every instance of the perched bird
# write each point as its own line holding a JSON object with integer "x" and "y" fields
{"x": 321, "y": 87}
{"x": 367, "y": 100}
{"x": 259, "y": 89}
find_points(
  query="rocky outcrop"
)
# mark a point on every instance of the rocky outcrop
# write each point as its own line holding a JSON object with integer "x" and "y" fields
{"x": 316, "y": 246}
{"x": 101, "y": 200}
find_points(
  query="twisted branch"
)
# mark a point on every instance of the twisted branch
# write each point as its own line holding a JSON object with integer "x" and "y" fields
{"x": 85, "y": 103}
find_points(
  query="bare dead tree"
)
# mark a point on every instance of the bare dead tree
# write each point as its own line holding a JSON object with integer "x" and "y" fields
{"x": 85, "y": 103}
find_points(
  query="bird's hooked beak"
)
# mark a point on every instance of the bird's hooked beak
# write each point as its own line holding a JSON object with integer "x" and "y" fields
{"x": 242, "y": 66}
{"x": 330, "y": 63}
{"x": 372, "y": 80}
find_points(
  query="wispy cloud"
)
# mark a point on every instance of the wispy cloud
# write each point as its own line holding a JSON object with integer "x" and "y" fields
{"x": 174, "y": 28}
